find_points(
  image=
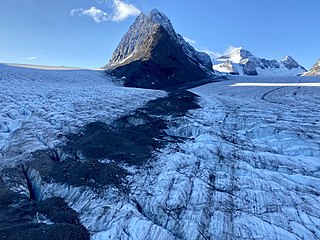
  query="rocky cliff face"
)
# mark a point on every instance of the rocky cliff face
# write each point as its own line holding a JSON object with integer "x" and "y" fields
{"x": 240, "y": 61}
{"x": 290, "y": 63}
{"x": 152, "y": 55}
{"x": 315, "y": 70}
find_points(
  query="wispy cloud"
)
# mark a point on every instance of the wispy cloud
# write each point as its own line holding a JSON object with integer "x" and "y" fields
{"x": 189, "y": 40}
{"x": 30, "y": 58}
{"x": 212, "y": 54}
{"x": 122, "y": 10}
{"x": 229, "y": 50}
{"x": 95, "y": 13}
{"x": 119, "y": 11}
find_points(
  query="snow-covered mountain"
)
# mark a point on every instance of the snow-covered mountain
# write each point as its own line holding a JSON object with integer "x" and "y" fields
{"x": 152, "y": 55}
{"x": 315, "y": 70}
{"x": 240, "y": 61}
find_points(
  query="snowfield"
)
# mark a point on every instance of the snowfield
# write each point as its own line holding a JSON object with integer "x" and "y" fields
{"x": 248, "y": 166}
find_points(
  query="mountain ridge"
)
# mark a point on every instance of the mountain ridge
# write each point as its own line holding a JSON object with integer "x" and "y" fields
{"x": 315, "y": 70}
{"x": 240, "y": 61}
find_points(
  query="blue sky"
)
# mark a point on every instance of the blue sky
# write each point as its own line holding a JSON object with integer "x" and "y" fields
{"x": 85, "y": 33}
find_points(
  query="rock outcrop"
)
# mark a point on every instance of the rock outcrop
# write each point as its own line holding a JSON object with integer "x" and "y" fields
{"x": 315, "y": 70}
{"x": 152, "y": 55}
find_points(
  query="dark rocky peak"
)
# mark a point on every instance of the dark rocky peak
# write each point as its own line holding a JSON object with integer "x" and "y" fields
{"x": 152, "y": 55}
{"x": 158, "y": 17}
{"x": 132, "y": 41}
{"x": 269, "y": 63}
{"x": 290, "y": 63}
{"x": 249, "y": 68}
{"x": 193, "y": 55}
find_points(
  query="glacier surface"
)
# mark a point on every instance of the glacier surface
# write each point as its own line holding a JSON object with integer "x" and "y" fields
{"x": 247, "y": 166}
{"x": 38, "y": 107}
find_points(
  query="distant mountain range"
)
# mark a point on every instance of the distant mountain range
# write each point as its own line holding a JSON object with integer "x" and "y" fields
{"x": 315, "y": 70}
{"x": 240, "y": 61}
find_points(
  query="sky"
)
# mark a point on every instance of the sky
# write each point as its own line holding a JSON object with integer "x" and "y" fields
{"x": 84, "y": 33}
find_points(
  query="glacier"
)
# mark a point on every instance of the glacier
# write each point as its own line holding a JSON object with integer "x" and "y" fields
{"x": 245, "y": 164}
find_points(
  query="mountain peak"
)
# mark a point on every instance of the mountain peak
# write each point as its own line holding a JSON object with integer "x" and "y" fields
{"x": 288, "y": 58}
{"x": 158, "y": 17}
{"x": 152, "y": 55}
{"x": 156, "y": 12}
{"x": 235, "y": 50}
{"x": 132, "y": 41}
{"x": 315, "y": 70}
{"x": 237, "y": 54}
{"x": 290, "y": 63}
{"x": 242, "y": 52}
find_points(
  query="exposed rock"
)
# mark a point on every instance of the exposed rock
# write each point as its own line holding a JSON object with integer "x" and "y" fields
{"x": 152, "y": 55}
{"x": 25, "y": 219}
{"x": 315, "y": 70}
{"x": 249, "y": 68}
{"x": 290, "y": 63}
{"x": 230, "y": 67}
{"x": 269, "y": 63}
